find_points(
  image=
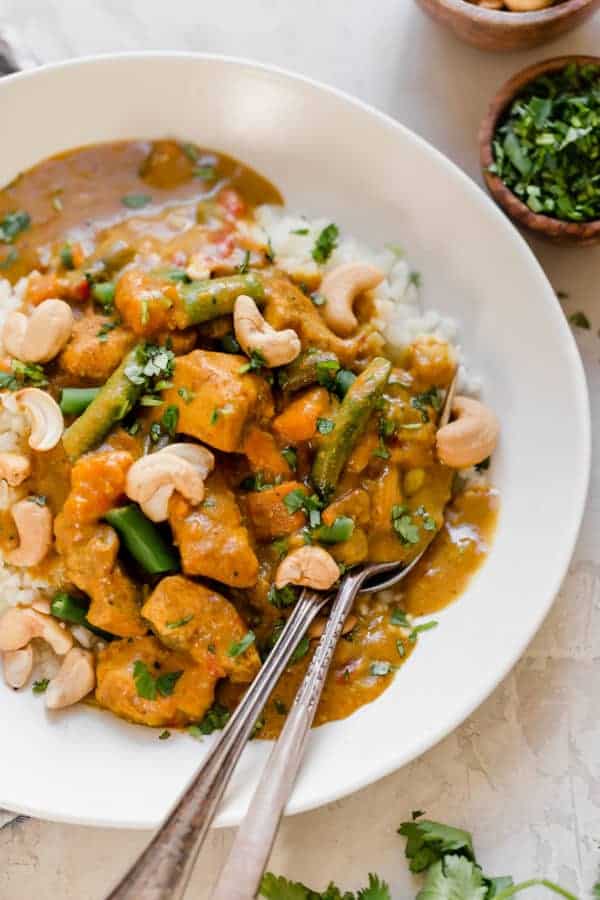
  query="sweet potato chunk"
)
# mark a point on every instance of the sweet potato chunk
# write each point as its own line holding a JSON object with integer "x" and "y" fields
{"x": 298, "y": 421}
{"x": 95, "y": 348}
{"x": 192, "y": 691}
{"x": 270, "y": 516}
{"x": 191, "y": 618}
{"x": 211, "y": 537}
{"x": 215, "y": 400}
{"x": 260, "y": 447}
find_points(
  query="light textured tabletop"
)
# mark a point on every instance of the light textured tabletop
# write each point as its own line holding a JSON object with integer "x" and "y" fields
{"x": 523, "y": 772}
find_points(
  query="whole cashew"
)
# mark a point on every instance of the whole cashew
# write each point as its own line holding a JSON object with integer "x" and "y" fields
{"x": 341, "y": 287}
{"x": 47, "y": 423}
{"x": 18, "y": 666}
{"x": 471, "y": 437}
{"x": 41, "y": 336}
{"x": 34, "y": 526}
{"x": 14, "y": 468}
{"x": 308, "y": 566}
{"x": 75, "y": 679}
{"x": 19, "y": 625}
{"x": 152, "y": 479}
{"x": 255, "y": 334}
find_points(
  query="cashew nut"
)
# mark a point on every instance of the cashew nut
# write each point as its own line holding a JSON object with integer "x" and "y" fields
{"x": 74, "y": 680}
{"x": 527, "y": 5}
{"x": 47, "y": 423}
{"x": 471, "y": 437}
{"x": 152, "y": 479}
{"x": 34, "y": 526}
{"x": 14, "y": 468}
{"x": 341, "y": 287}
{"x": 255, "y": 334}
{"x": 41, "y": 336}
{"x": 19, "y": 625}
{"x": 18, "y": 666}
{"x": 308, "y": 566}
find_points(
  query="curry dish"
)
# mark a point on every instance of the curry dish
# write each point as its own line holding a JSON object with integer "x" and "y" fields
{"x": 196, "y": 432}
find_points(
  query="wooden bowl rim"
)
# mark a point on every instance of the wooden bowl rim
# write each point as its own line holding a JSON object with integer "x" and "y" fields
{"x": 517, "y": 20}
{"x": 510, "y": 202}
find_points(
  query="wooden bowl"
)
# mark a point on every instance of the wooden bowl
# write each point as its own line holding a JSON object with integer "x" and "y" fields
{"x": 556, "y": 230}
{"x": 494, "y": 30}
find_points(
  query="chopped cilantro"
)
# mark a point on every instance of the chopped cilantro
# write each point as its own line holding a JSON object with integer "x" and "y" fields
{"x": 418, "y": 629}
{"x": 39, "y": 687}
{"x": 181, "y": 622}
{"x": 207, "y": 173}
{"x": 281, "y": 547}
{"x": 136, "y": 201}
{"x": 22, "y": 373}
{"x": 380, "y": 668}
{"x": 426, "y": 400}
{"x": 148, "y": 686}
{"x": 415, "y": 278}
{"x": 325, "y": 426}
{"x": 239, "y": 647}
{"x": 10, "y": 258}
{"x": 229, "y": 344}
{"x": 280, "y": 707}
{"x": 164, "y": 735}
{"x": 295, "y": 500}
{"x": 38, "y": 499}
{"x": 282, "y": 597}
{"x": 106, "y": 328}
{"x": 580, "y": 320}
{"x": 404, "y": 525}
{"x": 214, "y": 719}
{"x": 257, "y": 361}
{"x": 300, "y": 231}
{"x": 13, "y": 224}
{"x": 170, "y": 420}
{"x": 399, "y": 618}
{"x": 186, "y": 395}
{"x": 325, "y": 244}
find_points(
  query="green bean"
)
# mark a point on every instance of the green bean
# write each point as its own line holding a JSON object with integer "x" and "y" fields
{"x": 350, "y": 422}
{"x": 311, "y": 366}
{"x": 73, "y": 401}
{"x": 201, "y": 301}
{"x": 74, "y": 610}
{"x": 111, "y": 404}
{"x": 142, "y": 539}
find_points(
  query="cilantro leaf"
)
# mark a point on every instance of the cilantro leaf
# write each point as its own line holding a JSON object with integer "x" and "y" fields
{"x": 214, "y": 719}
{"x": 427, "y": 842}
{"x": 239, "y": 647}
{"x": 326, "y": 243}
{"x": 13, "y": 224}
{"x": 145, "y": 683}
{"x": 580, "y": 320}
{"x": 136, "y": 201}
{"x": 453, "y": 878}
{"x": 377, "y": 890}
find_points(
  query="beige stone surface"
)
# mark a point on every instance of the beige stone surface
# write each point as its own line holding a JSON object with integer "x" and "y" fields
{"x": 523, "y": 771}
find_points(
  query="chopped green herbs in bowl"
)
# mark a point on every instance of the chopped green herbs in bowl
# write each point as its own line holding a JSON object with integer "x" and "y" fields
{"x": 540, "y": 149}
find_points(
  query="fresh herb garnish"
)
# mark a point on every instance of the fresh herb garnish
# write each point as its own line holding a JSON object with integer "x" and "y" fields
{"x": 291, "y": 457}
{"x": 22, "y": 373}
{"x": 207, "y": 173}
{"x": 13, "y": 224}
{"x": 170, "y": 420}
{"x": 239, "y": 647}
{"x": 418, "y": 629}
{"x": 547, "y": 147}
{"x": 341, "y": 530}
{"x": 148, "y": 686}
{"x": 404, "y": 524}
{"x": 39, "y": 687}
{"x": 326, "y": 243}
{"x": 106, "y": 328}
{"x": 10, "y": 258}
{"x": 181, "y": 622}
{"x": 256, "y": 362}
{"x": 299, "y": 231}
{"x": 229, "y": 344}
{"x": 164, "y": 735}
{"x": 325, "y": 426}
{"x": 399, "y": 618}
{"x": 282, "y": 597}
{"x": 214, "y": 719}
{"x": 186, "y": 395}
{"x": 430, "y": 399}
{"x": 243, "y": 266}
{"x": 580, "y": 320}
{"x": 380, "y": 668}
{"x": 38, "y": 499}
{"x": 136, "y": 201}
{"x": 104, "y": 293}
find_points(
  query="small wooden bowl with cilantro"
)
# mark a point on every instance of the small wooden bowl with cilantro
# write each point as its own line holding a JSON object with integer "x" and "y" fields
{"x": 540, "y": 149}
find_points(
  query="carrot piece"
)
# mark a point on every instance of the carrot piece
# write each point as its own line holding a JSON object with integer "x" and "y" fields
{"x": 298, "y": 422}
{"x": 263, "y": 453}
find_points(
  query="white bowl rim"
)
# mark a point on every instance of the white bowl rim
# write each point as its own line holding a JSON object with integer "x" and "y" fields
{"x": 581, "y": 466}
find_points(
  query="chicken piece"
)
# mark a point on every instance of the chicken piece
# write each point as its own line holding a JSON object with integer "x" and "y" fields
{"x": 95, "y": 348}
{"x": 144, "y": 301}
{"x": 211, "y": 537}
{"x": 268, "y": 514}
{"x": 89, "y": 549}
{"x": 215, "y": 400}
{"x": 127, "y": 669}
{"x": 191, "y": 618}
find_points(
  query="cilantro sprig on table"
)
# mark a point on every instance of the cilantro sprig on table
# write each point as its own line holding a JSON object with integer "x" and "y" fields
{"x": 547, "y": 149}
{"x": 443, "y": 854}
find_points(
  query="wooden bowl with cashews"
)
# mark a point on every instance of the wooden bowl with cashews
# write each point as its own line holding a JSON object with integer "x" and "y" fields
{"x": 509, "y": 24}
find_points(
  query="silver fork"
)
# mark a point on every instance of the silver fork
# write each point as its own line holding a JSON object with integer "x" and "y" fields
{"x": 243, "y": 870}
{"x": 163, "y": 870}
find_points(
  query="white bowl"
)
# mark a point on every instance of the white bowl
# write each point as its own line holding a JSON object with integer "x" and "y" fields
{"x": 334, "y": 156}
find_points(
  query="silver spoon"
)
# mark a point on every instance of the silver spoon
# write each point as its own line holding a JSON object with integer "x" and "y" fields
{"x": 243, "y": 870}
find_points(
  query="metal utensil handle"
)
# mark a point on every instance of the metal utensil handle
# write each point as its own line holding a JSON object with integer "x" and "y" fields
{"x": 163, "y": 870}
{"x": 243, "y": 870}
